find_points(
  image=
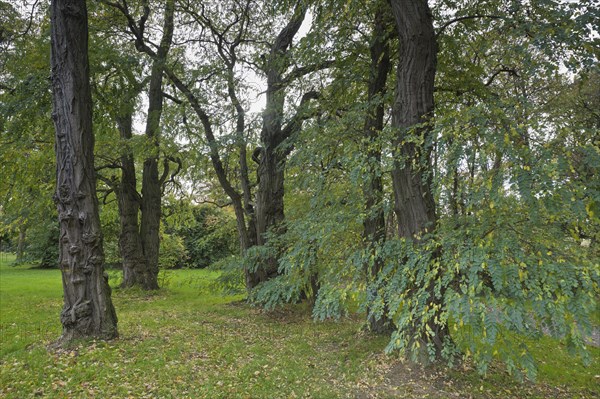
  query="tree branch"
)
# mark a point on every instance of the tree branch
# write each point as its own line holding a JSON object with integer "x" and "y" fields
{"x": 466, "y": 17}
{"x": 510, "y": 71}
{"x": 295, "y": 124}
{"x": 299, "y": 72}
{"x": 172, "y": 98}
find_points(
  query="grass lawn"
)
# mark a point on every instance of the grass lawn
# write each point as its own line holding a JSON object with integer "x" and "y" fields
{"x": 186, "y": 341}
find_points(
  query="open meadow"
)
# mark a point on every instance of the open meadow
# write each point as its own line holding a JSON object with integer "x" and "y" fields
{"x": 187, "y": 341}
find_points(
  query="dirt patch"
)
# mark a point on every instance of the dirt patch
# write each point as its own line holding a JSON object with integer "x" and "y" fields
{"x": 403, "y": 379}
{"x": 390, "y": 378}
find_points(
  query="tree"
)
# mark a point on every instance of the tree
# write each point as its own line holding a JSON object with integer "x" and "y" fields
{"x": 140, "y": 245}
{"x": 26, "y": 134}
{"x": 117, "y": 90}
{"x": 412, "y": 174}
{"x": 374, "y": 223}
{"x": 88, "y": 310}
{"x": 475, "y": 257}
{"x": 277, "y": 136}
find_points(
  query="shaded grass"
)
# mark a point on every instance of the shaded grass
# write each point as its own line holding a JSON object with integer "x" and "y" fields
{"x": 185, "y": 341}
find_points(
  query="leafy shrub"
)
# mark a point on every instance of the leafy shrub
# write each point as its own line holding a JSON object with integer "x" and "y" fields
{"x": 172, "y": 253}
{"x": 209, "y": 237}
{"x": 42, "y": 244}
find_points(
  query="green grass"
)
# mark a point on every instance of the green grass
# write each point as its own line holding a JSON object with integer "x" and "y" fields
{"x": 186, "y": 341}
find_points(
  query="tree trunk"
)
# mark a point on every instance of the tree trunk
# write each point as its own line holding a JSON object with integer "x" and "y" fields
{"x": 270, "y": 192}
{"x": 413, "y": 108}
{"x": 130, "y": 241}
{"x": 374, "y": 223}
{"x": 269, "y": 204}
{"x": 151, "y": 184}
{"x": 88, "y": 310}
{"x": 412, "y": 111}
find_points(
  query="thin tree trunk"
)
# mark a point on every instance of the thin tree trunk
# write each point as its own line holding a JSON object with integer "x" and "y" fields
{"x": 88, "y": 310}
{"x": 374, "y": 223}
{"x": 245, "y": 237}
{"x": 130, "y": 241}
{"x": 412, "y": 111}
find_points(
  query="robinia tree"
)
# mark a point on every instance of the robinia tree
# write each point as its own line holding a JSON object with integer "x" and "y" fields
{"x": 88, "y": 310}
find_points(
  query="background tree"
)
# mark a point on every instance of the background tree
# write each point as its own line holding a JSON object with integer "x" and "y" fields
{"x": 26, "y": 209}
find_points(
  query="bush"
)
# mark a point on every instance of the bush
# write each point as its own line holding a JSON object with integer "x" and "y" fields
{"x": 209, "y": 237}
{"x": 172, "y": 253}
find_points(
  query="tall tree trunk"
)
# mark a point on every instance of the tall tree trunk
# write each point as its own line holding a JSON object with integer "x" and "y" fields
{"x": 413, "y": 108}
{"x": 412, "y": 111}
{"x": 151, "y": 184}
{"x": 88, "y": 310}
{"x": 270, "y": 192}
{"x": 374, "y": 223}
{"x": 130, "y": 241}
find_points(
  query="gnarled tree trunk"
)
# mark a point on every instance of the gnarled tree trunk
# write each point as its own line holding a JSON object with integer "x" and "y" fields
{"x": 88, "y": 310}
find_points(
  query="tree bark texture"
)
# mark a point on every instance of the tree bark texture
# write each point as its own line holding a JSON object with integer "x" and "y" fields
{"x": 270, "y": 192}
{"x": 130, "y": 241}
{"x": 88, "y": 310}
{"x": 374, "y": 223}
{"x": 413, "y": 107}
{"x": 151, "y": 184}
{"x": 412, "y": 111}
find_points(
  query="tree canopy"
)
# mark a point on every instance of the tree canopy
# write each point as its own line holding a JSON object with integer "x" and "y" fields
{"x": 432, "y": 164}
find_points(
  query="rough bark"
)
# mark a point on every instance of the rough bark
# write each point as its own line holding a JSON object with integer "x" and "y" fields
{"x": 374, "y": 223}
{"x": 270, "y": 192}
{"x": 130, "y": 241}
{"x": 151, "y": 184}
{"x": 88, "y": 310}
{"x": 413, "y": 109}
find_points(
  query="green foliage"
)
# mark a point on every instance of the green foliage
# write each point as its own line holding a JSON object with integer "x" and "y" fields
{"x": 230, "y": 280}
{"x": 208, "y": 236}
{"x": 43, "y": 244}
{"x": 515, "y": 166}
{"x": 172, "y": 252}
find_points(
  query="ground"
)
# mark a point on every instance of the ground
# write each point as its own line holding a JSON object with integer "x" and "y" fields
{"x": 187, "y": 341}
